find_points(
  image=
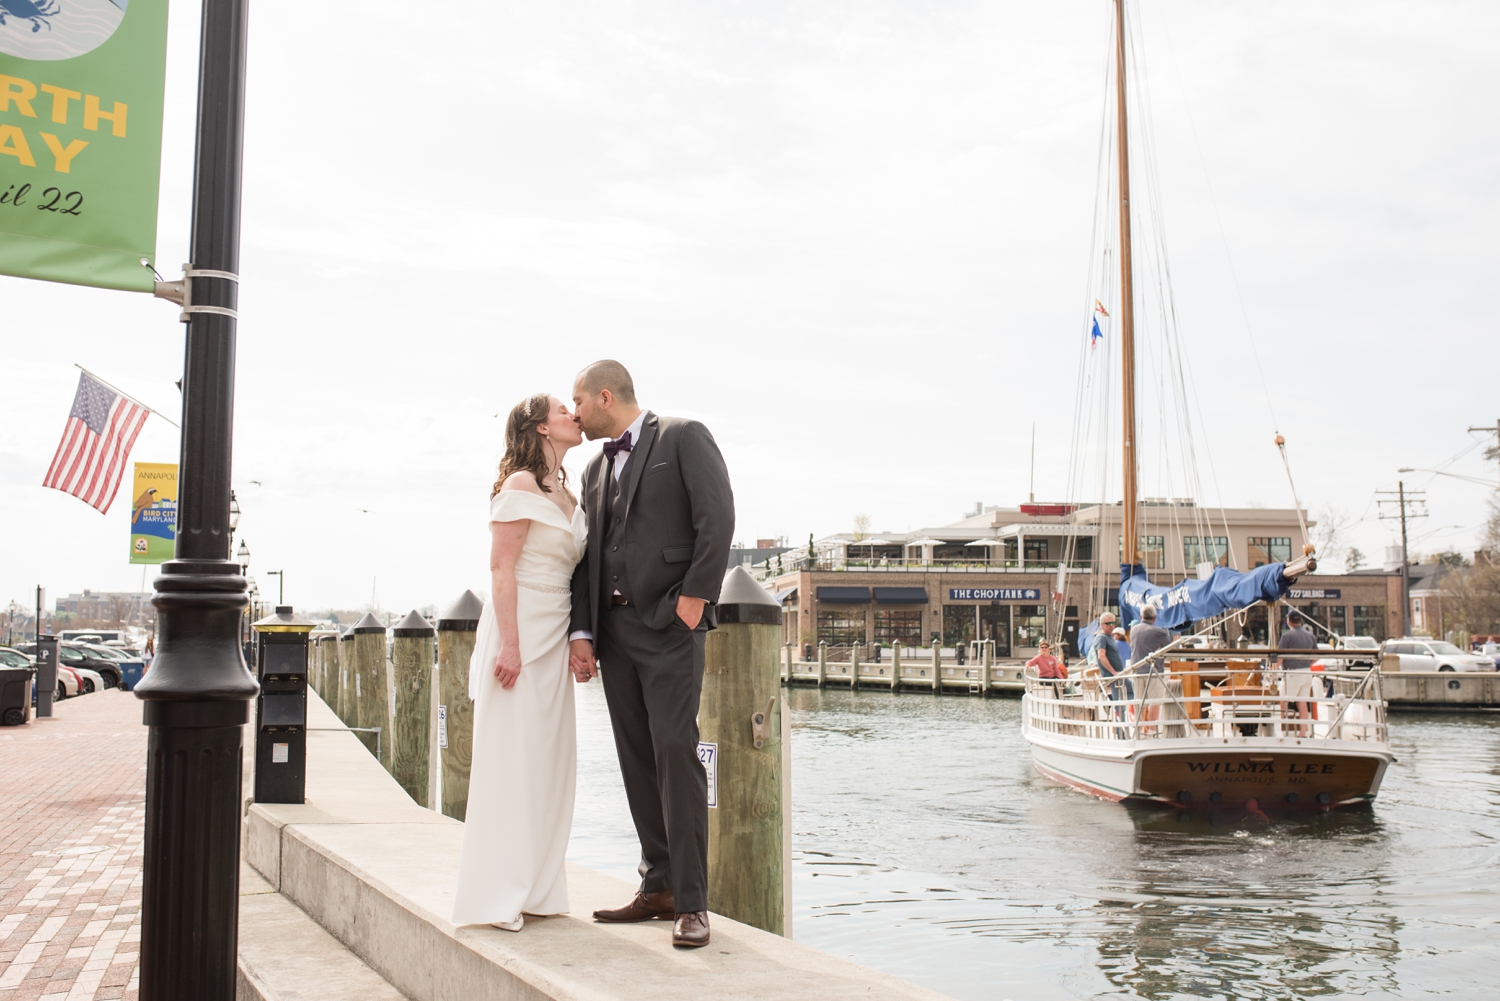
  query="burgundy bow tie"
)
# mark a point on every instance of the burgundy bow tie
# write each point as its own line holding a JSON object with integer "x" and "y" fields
{"x": 620, "y": 444}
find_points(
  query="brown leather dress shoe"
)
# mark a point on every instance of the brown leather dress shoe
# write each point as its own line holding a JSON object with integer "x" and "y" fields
{"x": 642, "y": 907}
{"x": 691, "y": 930}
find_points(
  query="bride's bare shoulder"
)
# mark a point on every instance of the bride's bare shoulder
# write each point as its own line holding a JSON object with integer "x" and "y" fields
{"x": 521, "y": 479}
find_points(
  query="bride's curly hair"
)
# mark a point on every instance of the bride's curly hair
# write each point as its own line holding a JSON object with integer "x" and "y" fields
{"x": 525, "y": 448}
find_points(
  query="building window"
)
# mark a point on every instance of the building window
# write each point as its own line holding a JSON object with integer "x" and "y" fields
{"x": 1325, "y": 618}
{"x": 1083, "y": 551}
{"x": 841, "y": 626}
{"x": 1369, "y": 620}
{"x": 1203, "y": 549}
{"x": 1036, "y": 550}
{"x": 894, "y": 626}
{"x": 1028, "y": 626}
{"x": 958, "y": 624}
{"x": 1153, "y": 551}
{"x": 1269, "y": 550}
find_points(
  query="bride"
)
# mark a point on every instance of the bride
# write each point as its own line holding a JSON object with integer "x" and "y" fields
{"x": 525, "y": 751}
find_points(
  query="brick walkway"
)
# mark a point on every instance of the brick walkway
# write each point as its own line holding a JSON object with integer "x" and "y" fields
{"x": 70, "y": 851}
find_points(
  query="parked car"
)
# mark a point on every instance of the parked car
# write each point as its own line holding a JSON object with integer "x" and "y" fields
{"x": 80, "y": 656}
{"x": 69, "y": 683}
{"x": 11, "y": 657}
{"x": 1419, "y": 654}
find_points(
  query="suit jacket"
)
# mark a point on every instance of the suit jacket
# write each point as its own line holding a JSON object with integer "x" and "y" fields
{"x": 676, "y": 529}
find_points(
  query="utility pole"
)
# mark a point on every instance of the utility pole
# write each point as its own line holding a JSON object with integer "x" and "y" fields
{"x": 198, "y": 691}
{"x": 1493, "y": 452}
{"x": 1415, "y": 499}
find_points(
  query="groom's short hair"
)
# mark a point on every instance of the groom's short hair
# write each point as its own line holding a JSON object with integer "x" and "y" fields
{"x": 611, "y": 375}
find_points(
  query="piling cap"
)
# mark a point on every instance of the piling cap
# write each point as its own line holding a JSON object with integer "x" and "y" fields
{"x": 741, "y": 599}
{"x": 414, "y": 625}
{"x": 368, "y": 624}
{"x": 463, "y": 615}
{"x": 284, "y": 621}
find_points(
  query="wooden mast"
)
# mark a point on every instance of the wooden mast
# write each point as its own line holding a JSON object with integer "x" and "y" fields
{"x": 1130, "y": 540}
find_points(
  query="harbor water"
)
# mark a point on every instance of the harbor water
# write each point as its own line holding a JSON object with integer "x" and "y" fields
{"x": 925, "y": 845}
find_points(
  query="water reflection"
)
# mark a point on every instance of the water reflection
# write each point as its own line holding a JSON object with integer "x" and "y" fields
{"x": 927, "y": 846}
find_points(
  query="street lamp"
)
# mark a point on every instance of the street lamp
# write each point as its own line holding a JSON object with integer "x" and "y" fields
{"x": 197, "y": 694}
{"x": 244, "y": 559}
{"x": 280, "y": 576}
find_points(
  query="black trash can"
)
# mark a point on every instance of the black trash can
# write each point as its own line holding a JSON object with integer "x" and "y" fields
{"x": 15, "y": 695}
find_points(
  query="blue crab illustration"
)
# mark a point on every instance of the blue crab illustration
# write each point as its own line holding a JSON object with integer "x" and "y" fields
{"x": 38, "y": 13}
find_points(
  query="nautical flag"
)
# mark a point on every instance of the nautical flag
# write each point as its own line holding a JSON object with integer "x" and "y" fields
{"x": 1095, "y": 336}
{"x": 96, "y": 442}
{"x": 1099, "y": 308}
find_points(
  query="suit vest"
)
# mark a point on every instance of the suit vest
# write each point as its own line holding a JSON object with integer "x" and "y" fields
{"x": 612, "y": 566}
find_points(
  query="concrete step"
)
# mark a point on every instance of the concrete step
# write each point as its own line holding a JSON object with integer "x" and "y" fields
{"x": 285, "y": 956}
{"x": 377, "y": 872}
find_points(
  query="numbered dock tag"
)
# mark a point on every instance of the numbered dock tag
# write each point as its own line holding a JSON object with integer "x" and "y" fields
{"x": 708, "y": 757}
{"x": 279, "y": 754}
{"x": 443, "y": 727}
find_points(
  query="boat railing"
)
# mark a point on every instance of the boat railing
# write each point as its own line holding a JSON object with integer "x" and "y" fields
{"x": 1243, "y": 698}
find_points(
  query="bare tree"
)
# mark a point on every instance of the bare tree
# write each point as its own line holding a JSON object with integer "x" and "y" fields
{"x": 1477, "y": 590}
{"x": 1353, "y": 559}
{"x": 862, "y": 524}
{"x": 1329, "y": 534}
{"x": 119, "y": 608}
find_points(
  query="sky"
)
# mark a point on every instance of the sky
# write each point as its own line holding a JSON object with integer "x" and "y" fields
{"x": 852, "y": 238}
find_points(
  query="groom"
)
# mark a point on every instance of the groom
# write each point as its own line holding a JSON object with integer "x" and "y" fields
{"x": 660, "y": 516}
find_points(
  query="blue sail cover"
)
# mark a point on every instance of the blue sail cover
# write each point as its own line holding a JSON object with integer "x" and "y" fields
{"x": 1191, "y": 600}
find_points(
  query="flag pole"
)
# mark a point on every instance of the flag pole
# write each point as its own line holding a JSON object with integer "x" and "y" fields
{"x": 198, "y": 691}
{"x": 132, "y": 399}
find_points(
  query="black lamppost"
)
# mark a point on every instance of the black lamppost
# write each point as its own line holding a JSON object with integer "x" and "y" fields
{"x": 280, "y": 576}
{"x": 198, "y": 691}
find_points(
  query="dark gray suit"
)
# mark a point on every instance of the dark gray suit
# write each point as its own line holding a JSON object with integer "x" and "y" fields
{"x": 663, "y": 530}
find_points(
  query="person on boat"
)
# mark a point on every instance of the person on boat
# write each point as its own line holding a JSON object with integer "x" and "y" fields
{"x": 1145, "y": 639}
{"x": 1049, "y": 668}
{"x": 1297, "y": 679}
{"x": 1122, "y": 643}
{"x": 1105, "y": 652}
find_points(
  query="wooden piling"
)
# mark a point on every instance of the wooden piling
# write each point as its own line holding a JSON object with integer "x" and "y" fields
{"x": 345, "y": 653}
{"x": 367, "y": 678}
{"x": 455, "y": 737}
{"x": 787, "y": 668}
{"x": 986, "y": 661}
{"x": 740, "y": 720}
{"x": 896, "y": 666}
{"x": 937, "y": 667}
{"x": 854, "y": 667}
{"x": 411, "y": 669}
{"x": 822, "y": 663}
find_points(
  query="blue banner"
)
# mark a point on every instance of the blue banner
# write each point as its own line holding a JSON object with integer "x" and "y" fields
{"x": 1191, "y": 600}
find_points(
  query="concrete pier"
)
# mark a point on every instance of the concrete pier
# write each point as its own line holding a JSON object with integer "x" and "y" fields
{"x": 371, "y": 876}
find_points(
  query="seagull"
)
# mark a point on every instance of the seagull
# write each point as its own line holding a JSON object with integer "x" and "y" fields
{"x": 364, "y": 509}
{"x": 257, "y": 483}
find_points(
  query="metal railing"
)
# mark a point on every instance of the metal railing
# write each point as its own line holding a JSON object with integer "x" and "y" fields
{"x": 1344, "y": 706}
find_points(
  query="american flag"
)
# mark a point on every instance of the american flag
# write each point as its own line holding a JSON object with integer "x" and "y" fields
{"x": 91, "y": 457}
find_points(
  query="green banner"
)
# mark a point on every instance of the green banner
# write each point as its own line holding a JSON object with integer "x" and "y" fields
{"x": 81, "y": 85}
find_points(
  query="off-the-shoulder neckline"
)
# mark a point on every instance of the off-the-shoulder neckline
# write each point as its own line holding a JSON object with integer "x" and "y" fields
{"x": 539, "y": 499}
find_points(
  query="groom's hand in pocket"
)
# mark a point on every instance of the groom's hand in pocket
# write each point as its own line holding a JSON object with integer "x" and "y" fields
{"x": 581, "y": 660}
{"x": 690, "y": 610}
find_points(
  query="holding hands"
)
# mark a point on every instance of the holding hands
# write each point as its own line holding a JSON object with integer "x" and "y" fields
{"x": 581, "y": 661}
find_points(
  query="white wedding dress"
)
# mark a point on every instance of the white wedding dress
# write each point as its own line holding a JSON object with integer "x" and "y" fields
{"x": 525, "y": 747}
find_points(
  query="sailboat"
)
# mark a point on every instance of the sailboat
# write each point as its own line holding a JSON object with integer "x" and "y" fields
{"x": 1202, "y": 728}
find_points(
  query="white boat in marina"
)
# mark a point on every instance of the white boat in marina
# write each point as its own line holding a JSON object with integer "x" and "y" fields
{"x": 1193, "y": 727}
{"x": 1213, "y": 732}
